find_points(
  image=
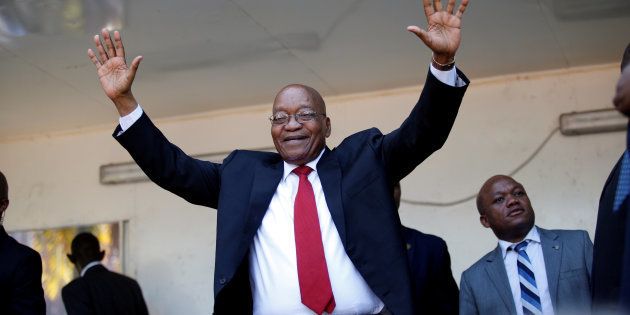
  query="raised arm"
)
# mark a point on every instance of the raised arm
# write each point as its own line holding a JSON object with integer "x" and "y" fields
{"x": 443, "y": 33}
{"x": 115, "y": 75}
{"x": 427, "y": 127}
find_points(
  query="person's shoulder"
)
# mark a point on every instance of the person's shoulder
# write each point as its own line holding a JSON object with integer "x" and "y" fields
{"x": 123, "y": 278}
{"x": 19, "y": 252}
{"x": 481, "y": 263}
{"x": 72, "y": 286}
{"x": 577, "y": 237}
{"x": 362, "y": 136}
{"x": 251, "y": 155}
{"x": 358, "y": 142}
{"x": 564, "y": 233}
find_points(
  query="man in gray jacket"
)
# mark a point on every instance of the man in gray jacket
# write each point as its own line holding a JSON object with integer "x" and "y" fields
{"x": 532, "y": 270}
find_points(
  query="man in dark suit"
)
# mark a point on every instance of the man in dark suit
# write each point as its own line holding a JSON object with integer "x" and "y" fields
{"x": 532, "y": 270}
{"x": 434, "y": 291}
{"x": 98, "y": 290}
{"x": 20, "y": 270}
{"x": 308, "y": 229}
{"x": 611, "y": 253}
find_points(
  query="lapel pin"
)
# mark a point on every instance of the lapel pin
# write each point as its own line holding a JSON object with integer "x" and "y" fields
{"x": 556, "y": 247}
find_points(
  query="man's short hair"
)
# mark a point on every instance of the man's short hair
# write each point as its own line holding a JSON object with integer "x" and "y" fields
{"x": 626, "y": 57}
{"x": 4, "y": 187}
{"x": 85, "y": 247}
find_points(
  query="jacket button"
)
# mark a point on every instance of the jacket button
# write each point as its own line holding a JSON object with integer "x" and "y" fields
{"x": 222, "y": 281}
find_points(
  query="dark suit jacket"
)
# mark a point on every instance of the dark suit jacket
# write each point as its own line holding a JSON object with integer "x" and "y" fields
{"x": 435, "y": 291}
{"x": 20, "y": 278}
{"x": 357, "y": 178}
{"x": 102, "y": 292}
{"x": 611, "y": 244}
{"x": 485, "y": 288}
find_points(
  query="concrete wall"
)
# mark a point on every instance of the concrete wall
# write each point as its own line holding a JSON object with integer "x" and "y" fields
{"x": 54, "y": 178}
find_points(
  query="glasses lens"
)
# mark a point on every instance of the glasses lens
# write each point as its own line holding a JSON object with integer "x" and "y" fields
{"x": 308, "y": 116}
{"x": 279, "y": 119}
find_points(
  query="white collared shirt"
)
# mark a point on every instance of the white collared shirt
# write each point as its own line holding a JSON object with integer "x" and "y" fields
{"x": 535, "y": 254}
{"x": 88, "y": 266}
{"x": 272, "y": 257}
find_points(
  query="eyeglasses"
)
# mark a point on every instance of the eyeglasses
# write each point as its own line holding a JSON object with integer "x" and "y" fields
{"x": 283, "y": 118}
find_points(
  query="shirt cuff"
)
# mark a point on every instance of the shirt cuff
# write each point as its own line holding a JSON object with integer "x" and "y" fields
{"x": 448, "y": 77}
{"x": 129, "y": 119}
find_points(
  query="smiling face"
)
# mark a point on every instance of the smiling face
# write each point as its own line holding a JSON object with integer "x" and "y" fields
{"x": 505, "y": 208}
{"x": 300, "y": 143}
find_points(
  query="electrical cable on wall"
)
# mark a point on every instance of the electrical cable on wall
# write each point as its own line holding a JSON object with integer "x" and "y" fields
{"x": 473, "y": 196}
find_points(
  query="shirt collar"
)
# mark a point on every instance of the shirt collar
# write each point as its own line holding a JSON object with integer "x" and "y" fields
{"x": 88, "y": 266}
{"x": 288, "y": 168}
{"x": 531, "y": 236}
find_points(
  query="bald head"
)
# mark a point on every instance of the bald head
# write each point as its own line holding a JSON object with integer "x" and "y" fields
{"x": 487, "y": 186}
{"x": 316, "y": 98}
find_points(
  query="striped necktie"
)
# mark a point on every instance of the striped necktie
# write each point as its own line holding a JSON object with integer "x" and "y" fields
{"x": 529, "y": 292}
{"x": 623, "y": 183}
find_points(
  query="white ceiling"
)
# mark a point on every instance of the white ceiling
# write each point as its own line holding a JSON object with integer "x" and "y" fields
{"x": 201, "y": 55}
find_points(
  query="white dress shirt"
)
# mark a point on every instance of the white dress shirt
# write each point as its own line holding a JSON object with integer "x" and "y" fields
{"x": 535, "y": 254}
{"x": 272, "y": 257}
{"x": 88, "y": 266}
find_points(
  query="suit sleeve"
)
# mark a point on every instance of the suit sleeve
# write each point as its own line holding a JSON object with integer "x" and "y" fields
{"x": 168, "y": 166}
{"x": 28, "y": 295}
{"x": 425, "y": 130}
{"x": 467, "y": 305}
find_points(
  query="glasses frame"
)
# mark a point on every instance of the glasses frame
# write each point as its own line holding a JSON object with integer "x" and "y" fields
{"x": 299, "y": 117}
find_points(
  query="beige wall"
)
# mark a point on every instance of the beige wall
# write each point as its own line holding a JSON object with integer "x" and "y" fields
{"x": 54, "y": 178}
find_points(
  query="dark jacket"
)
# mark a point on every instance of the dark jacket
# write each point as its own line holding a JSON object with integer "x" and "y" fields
{"x": 102, "y": 292}
{"x": 20, "y": 278}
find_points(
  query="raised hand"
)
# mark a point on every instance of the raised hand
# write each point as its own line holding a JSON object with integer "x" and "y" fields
{"x": 115, "y": 75}
{"x": 443, "y": 34}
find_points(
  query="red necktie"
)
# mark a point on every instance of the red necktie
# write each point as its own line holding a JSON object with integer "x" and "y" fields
{"x": 313, "y": 276}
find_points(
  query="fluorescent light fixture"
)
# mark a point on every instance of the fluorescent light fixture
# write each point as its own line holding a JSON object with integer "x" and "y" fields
{"x": 592, "y": 121}
{"x": 130, "y": 172}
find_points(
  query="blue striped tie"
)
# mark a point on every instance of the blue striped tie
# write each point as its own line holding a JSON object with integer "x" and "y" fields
{"x": 623, "y": 183}
{"x": 529, "y": 291}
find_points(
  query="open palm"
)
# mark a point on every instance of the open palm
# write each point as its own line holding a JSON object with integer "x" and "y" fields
{"x": 443, "y": 34}
{"x": 115, "y": 75}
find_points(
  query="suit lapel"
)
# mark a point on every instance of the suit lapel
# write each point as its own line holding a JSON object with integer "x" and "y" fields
{"x": 329, "y": 173}
{"x": 552, "y": 254}
{"x": 266, "y": 180}
{"x": 496, "y": 271}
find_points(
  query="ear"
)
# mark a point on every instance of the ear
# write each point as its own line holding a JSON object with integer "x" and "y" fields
{"x": 71, "y": 258}
{"x": 101, "y": 255}
{"x": 484, "y": 221}
{"x": 328, "y": 127}
{"x": 4, "y": 204}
